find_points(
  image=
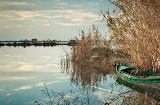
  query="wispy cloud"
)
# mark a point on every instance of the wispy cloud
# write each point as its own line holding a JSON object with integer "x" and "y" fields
{"x": 21, "y": 3}
{"x": 46, "y": 57}
{"x": 28, "y": 67}
{"x": 21, "y": 67}
{"x": 16, "y": 3}
{"x": 45, "y": 25}
{"x": 8, "y": 94}
{"x": 12, "y": 56}
{"x": 62, "y": 4}
{"x": 76, "y": 5}
{"x": 7, "y": 78}
{"x": 74, "y": 17}
{"x": 7, "y": 26}
{"x": 2, "y": 14}
{"x": 64, "y": 17}
{"x": 1, "y": 90}
{"x": 25, "y": 87}
{"x": 52, "y": 71}
{"x": 24, "y": 15}
{"x": 42, "y": 83}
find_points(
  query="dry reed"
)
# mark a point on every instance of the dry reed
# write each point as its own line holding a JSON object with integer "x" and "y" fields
{"x": 86, "y": 69}
{"x": 90, "y": 45}
{"x": 136, "y": 30}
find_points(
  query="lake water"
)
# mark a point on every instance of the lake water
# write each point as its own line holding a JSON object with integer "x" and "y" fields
{"x": 24, "y": 71}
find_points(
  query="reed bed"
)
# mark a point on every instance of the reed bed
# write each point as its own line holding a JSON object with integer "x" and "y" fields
{"x": 90, "y": 59}
{"x": 85, "y": 66}
{"x": 135, "y": 29}
{"x": 91, "y": 44}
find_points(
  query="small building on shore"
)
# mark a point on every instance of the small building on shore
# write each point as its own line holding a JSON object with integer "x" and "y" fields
{"x": 34, "y": 41}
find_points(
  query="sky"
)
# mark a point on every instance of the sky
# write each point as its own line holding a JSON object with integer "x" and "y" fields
{"x": 50, "y": 19}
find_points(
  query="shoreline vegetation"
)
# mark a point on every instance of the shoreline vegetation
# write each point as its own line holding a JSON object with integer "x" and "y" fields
{"x": 134, "y": 39}
{"x": 93, "y": 50}
{"x": 135, "y": 30}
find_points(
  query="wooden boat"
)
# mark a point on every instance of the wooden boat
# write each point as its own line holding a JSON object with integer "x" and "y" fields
{"x": 124, "y": 72}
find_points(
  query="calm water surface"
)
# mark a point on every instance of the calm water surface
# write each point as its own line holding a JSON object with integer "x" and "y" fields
{"x": 24, "y": 71}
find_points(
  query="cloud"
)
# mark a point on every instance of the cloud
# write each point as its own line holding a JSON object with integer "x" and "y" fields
{"x": 42, "y": 83}
{"x": 74, "y": 17}
{"x": 76, "y": 5}
{"x": 45, "y": 25}
{"x": 46, "y": 57}
{"x": 52, "y": 71}
{"x": 25, "y": 87}
{"x": 1, "y": 90}
{"x": 62, "y": 4}
{"x": 9, "y": 94}
{"x": 2, "y": 14}
{"x": 64, "y": 17}
{"x": 52, "y": 65}
{"x": 22, "y": 67}
{"x": 6, "y": 26}
{"x": 62, "y": 13}
{"x": 24, "y": 15}
{"x": 27, "y": 67}
{"x": 9, "y": 56}
{"x": 14, "y": 3}
{"x": 7, "y": 78}
{"x": 21, "y": 3}
{"x": 68, "y": 24}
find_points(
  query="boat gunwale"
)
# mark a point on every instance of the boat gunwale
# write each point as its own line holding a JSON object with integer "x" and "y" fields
{"x": 133, "y": 78}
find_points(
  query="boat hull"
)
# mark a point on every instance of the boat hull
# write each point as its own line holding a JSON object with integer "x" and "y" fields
{"x": 124, "y": 75}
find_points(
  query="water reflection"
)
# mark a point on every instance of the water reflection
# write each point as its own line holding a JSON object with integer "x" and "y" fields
{"x": 91, "y": 74}
{"x": 119, "y": 93}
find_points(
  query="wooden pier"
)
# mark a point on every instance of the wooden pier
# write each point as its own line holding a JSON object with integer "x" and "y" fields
{"x": 35, "y": 42}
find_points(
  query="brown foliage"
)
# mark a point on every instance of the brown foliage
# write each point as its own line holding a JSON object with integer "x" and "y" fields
{"x": 136, "y": 30}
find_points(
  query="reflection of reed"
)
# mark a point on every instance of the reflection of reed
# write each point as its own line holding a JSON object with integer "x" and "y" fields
{"x": 91, "y": 76}
{"x": 91, "y": 73}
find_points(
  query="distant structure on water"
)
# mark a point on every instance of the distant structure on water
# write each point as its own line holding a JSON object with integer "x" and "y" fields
{"x": 35, "y": 42}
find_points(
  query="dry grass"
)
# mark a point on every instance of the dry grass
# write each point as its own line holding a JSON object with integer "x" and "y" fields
{"x": 93, "y": 44}
{"x": 140, "y": 99}
{"x": 136, "y": 30}
{"x": 90, "y": 44}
